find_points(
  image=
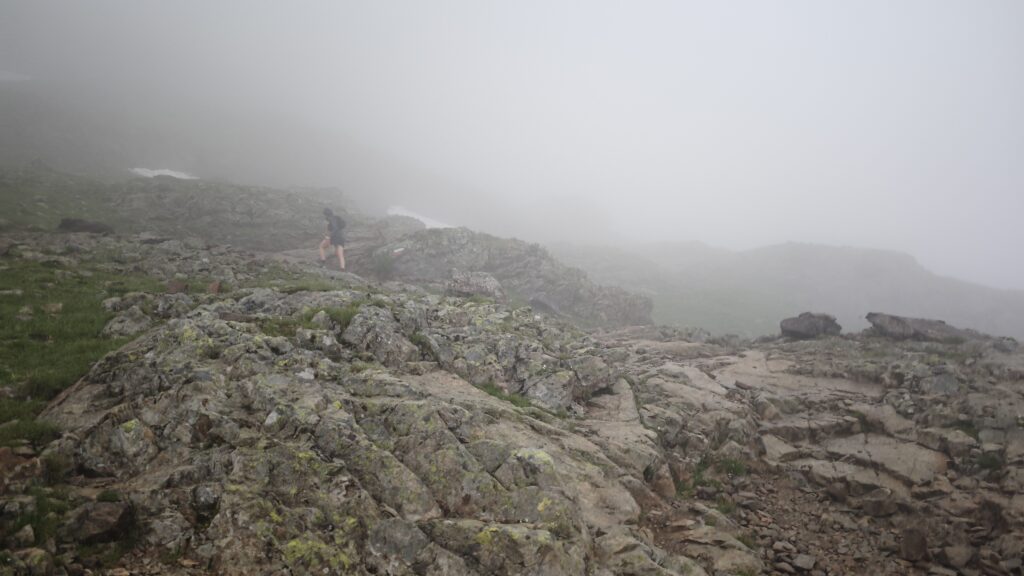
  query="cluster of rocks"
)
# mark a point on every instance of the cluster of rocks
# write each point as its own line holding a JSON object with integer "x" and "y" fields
{"x": 271, "y": 221}
{"x": 389, "y": 428}
{"x": 257, "y": 430}
{"x": 525, "y": 272}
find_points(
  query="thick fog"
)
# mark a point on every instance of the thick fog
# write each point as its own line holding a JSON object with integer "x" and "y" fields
{"x": 880, "y": 124}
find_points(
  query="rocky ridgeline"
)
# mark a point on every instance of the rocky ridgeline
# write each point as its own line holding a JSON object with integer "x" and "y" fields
{"x": 527, "y": 272}
{"x": 286, "y": 419}
{"x": 336, "y": 430}
{"x": 273, "y": 221}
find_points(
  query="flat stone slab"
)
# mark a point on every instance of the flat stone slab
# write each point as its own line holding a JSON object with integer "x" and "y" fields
{"x": 777, "y": 450}
{"x": 754, "y": 370}
{"x": 810, "y": 427}
{"x": 824, "y": 473}
{"x": 885, "y": 417}
{"x": 905, "y": 460}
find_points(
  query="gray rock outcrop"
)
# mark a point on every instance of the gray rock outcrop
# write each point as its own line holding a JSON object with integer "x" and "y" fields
{"x": 526, "y": 272}
{"x": 468, "y": 284}
{"x": 810, "y": 325}
{"x": 903, "y": 328}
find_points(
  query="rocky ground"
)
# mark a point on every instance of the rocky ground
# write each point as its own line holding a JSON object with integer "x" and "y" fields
{"x": 269, "y": 417}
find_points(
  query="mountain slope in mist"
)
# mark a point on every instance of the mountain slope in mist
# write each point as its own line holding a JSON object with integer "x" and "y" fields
{"x": 749, "y": 292}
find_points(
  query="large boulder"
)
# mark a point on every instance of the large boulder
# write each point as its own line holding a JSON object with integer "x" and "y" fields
{"x": 810, "y": 325}
{"x": 128, "y": 323}
{"x": 375, "y": 330}
{"x": 475, "y": 284}
{"x": 99, "y": 522}
{"x": 903, "y": 328}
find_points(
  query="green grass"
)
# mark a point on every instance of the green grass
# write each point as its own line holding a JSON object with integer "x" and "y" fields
{"x": 32, "y": 431}
{"x": 55, "y": 468}
{"x": 731, "y": 467}
{"x": 515, "y": 399}
{"x": 748, "y": 540}
{"x": 700, "y": 477}
{"x": 990, "y": 462}
{"x": 45, "y": 518}
{"x": 290, "y": 281}
{"x": 724, "y": 506}
{"x": 343, "y": 316}
{"x": 423, "y": 343}
{"x": 45, "y": 354}
{"x": 480, "y": 300}
{"x": 966, "y": 427}
{"x": 108, "y": 496}
{"x": 287, "y": 326}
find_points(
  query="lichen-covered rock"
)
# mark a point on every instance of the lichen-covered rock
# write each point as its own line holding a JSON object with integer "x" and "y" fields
{"x": 903, "y": 328}
{"x": 375, "y": 330}
{"x": 475, "y": 284}
{"x": 128, "y": 323}
{"x": 251, "y": 453}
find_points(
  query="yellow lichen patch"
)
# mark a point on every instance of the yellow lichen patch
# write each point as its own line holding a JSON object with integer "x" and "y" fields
{"x": 544, "y": 504}
{"x": 130, "y": 426}
{"x": 314, "y": 552}
{"x": 304, "y": 550}
{"x": 486, "y": 536}
{"x": 535, "y": 455}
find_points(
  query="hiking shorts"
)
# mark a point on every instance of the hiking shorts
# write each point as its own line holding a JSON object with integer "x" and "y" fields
{"x": 337, "y": 239}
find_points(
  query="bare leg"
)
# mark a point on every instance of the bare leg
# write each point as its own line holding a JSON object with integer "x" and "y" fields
{"x": 323, "y": 247}
{"x": 341, "y": 256}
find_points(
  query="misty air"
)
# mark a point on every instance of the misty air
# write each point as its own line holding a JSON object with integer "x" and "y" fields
{"x": 515, "y": 288}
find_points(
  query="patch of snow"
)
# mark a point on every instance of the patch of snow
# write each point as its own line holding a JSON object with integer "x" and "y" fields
{"x": 150, "y": 173}
{"x": 428, "y": 222}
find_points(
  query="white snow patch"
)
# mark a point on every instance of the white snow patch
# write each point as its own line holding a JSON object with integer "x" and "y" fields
{"x": 151, "y": 173}
{"x": 428, "y": 222}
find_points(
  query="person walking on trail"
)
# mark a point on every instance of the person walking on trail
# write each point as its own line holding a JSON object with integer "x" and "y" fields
{"x": 335, "y": 237}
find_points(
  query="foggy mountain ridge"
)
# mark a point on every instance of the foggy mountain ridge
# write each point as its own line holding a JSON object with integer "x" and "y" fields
{"x": 578, "y": 314}
{"x": 286, "y": 221}
{"x": 779, "y": 125}
{"x": 748, "y": 292}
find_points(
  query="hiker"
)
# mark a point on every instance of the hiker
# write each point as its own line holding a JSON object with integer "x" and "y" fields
{"x": 335, "y": 237}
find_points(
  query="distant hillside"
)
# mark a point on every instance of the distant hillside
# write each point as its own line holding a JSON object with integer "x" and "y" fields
{"x": 273, "y": 220}
{"x": 749, "y": 292}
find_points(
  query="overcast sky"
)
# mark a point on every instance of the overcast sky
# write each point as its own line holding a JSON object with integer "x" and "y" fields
{"x": 869, "y": 123}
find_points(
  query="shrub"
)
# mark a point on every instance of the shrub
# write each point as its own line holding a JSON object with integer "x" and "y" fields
{"x": 108, "y": 496}
{"x": 515, "y": 399}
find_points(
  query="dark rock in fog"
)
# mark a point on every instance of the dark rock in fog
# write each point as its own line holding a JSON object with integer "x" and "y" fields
{"x": 99, "y": 522}
{"x": 903, "y": 328}
{"x": 79, "y": 225}
{"x": 810, "y": 325}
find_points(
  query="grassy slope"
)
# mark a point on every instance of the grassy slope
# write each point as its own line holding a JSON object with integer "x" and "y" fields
{"x": 49, "y": 351}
